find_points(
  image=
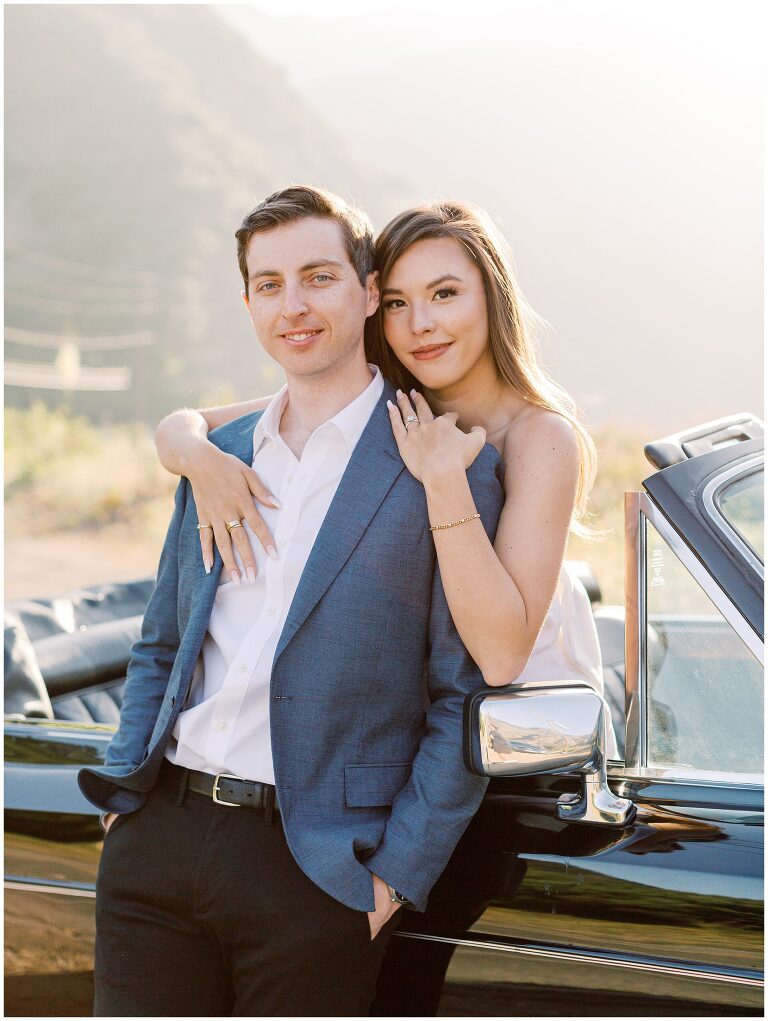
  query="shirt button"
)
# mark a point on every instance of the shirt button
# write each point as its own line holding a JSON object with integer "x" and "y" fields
{"x": 271, "y": 611}
{"x": 221, "y": 725}
{"x": 242, "y": 668}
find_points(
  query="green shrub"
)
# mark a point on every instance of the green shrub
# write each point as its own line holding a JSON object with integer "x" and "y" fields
{"x": 63, "y": 471}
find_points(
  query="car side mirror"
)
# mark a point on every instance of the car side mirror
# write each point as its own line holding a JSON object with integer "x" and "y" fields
{"x": 546, "y": 727}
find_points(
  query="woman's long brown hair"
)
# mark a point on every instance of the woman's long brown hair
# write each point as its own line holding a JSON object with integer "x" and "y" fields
{"x": 510, "y": 320}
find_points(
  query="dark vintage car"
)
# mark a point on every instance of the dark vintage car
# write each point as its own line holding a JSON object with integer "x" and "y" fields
{"x": 582, "y": 887}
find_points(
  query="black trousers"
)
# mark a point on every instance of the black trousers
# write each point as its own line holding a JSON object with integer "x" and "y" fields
{"x": 202, "y": 911}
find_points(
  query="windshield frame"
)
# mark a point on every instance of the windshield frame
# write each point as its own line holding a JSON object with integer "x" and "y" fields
{"x": 711, "y": 501}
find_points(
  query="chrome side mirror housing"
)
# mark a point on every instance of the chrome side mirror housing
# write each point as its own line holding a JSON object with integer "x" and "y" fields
{"x": 546, "y": 727}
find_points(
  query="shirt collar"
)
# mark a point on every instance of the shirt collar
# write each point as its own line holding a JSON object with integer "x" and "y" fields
{"x": 268, "y": 426}
{"x": 350, "y": 421}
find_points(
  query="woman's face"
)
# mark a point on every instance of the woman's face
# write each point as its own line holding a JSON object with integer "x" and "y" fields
{"x": 434, "y": 313}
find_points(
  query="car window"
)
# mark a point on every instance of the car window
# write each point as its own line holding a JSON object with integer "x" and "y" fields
{"x": 704, "y": 687}
{"x": 741, "y": 504}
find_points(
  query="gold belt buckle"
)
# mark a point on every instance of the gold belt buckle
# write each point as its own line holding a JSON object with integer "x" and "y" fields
{"x": 215, "y": 791}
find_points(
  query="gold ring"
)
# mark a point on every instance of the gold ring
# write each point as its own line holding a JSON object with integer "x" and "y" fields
{"x": 234, "y": 524}
{"x": 199, "y": 526}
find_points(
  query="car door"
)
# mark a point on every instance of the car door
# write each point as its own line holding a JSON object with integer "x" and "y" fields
{"x": 537, "y": 916}
{"x": 64, "y": 673}
{"x": 52, "y": 846}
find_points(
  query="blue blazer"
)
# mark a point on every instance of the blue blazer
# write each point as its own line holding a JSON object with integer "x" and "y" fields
{"x": 368, "y": 680}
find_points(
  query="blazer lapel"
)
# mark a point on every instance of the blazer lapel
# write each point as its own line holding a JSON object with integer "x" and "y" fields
{"x": 241, "y": 443}
{"x": 370, "y": 474}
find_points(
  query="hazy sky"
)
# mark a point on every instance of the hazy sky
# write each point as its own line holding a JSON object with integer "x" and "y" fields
{"x": 675, "y": 10}
{"x": 618, "y": 144}
{"x": 362, "y": 8}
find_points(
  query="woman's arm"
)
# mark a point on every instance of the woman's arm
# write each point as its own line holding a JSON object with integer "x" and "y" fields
{"x": 499, "y": 593}
{"x": 223, "y": 487}
{"x": 179, "y": 435}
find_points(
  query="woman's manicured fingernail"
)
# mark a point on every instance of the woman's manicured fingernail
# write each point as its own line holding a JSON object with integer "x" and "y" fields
{"x": 275, "y": 502}
{"x": 235, "y": 577}
{"x": 399, "y": 394}
{"x": 271, "y": 552}
{"x": 251, "y": 574}
{"x": 207, "y": 565}
{"x": 390, "y": 405}
{"x": 413, "y": 393}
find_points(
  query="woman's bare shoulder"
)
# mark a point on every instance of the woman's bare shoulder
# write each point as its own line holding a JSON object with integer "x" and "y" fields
{"x": 540, "y": 427}
{"x": 538, "y": 437}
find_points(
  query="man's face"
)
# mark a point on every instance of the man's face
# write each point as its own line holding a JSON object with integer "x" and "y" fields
{"x": 305, "y": 301}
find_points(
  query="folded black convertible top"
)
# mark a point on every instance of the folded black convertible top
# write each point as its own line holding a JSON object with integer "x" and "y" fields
{"x": 63, "y": 643}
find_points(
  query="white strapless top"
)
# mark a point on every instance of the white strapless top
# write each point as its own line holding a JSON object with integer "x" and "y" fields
{"x": 568, "y": 647}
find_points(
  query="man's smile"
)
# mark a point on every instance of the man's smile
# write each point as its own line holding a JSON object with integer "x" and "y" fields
{"x": 300, "y": 338}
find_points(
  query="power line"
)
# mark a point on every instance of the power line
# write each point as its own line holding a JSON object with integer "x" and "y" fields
{"x": 51, "y": 377}
{"x": 55, "y": 263}
{"x": 115, "y": 342}
{"x": 23, "y": 284}
{"x": 64, "y": 307}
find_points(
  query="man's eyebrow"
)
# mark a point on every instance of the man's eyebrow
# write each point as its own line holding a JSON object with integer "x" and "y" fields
{"x": 315, "y": 264}
{"x": 321, "y": 262}
{"x": 430, "y": 285}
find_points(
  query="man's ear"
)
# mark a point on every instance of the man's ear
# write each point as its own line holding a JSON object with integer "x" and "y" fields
{"x": 372, "y": 290}
{"x": 244, "y": 296}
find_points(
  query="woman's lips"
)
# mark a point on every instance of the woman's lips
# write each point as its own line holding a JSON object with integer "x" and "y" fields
{"x": 433, "y": 351}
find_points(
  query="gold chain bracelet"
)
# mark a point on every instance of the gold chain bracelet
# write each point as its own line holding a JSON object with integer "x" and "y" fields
{"x": 472, "y": 517}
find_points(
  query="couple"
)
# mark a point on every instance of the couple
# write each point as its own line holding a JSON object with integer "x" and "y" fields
{"x": 314, "y": 673}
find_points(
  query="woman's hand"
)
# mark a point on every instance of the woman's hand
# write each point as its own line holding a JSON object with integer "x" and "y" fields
{"x": 224, "y": 489}
{"x": 432, "y": 447}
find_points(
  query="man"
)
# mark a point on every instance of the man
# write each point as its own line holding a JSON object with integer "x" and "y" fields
{"x": 326, "y": 695}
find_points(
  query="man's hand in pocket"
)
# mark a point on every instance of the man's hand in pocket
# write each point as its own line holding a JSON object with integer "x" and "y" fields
{"x": 107, "y": 820}
{"x": 385, "y": 906}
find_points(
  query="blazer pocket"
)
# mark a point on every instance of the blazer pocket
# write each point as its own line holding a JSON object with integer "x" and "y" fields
{"x": 373, "y": 785}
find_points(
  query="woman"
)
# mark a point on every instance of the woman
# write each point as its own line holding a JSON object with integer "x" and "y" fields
{"x": 452, "y": 332}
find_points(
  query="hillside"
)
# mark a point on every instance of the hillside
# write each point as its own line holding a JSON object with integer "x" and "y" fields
{"x": 137, "y": 136}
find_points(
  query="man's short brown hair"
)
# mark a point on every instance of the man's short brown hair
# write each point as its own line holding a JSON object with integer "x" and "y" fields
{"x": 298, "y": 202}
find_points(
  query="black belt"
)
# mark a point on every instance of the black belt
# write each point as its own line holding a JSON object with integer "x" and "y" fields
{"x": 232, "y": 791}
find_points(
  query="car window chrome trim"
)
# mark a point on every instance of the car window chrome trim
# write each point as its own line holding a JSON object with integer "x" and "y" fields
{"x": 634, "y": 624}
{"x": 682, "y": 551}
{"x": 50, "y": 886}
{"x": 689, "y": 777}
{"x": 586, "y": 956}
{"x": 717, "y": 518}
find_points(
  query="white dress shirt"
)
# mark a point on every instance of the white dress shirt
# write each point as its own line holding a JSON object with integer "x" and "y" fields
{"x": 224, "y": 725}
